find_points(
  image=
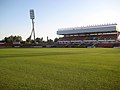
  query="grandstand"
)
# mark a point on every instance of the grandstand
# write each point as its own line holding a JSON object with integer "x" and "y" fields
{"x": 90, "y": 36}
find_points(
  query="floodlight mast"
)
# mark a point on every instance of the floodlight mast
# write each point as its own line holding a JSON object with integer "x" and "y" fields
{"x": 32, "y": 17}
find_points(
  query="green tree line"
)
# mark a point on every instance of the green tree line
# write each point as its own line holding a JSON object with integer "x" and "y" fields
{"x": 12, "y": 39}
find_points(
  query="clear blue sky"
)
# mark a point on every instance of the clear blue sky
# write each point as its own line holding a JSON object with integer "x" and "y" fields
{"x": 53, "y": 14}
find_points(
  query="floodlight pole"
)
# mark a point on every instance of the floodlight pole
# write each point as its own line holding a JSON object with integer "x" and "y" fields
{"x": 32, "y": 17}
{"x": 33, "y": 29}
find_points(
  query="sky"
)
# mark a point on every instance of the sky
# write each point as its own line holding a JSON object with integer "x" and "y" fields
{"x": 51, "y": 15}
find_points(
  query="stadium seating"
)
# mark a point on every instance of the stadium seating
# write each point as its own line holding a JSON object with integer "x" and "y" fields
{"x": 96, "y": 36}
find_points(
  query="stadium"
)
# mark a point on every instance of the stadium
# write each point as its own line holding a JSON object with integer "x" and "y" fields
{"x": 106, "y": 36}
{"x": 94, "y": 36}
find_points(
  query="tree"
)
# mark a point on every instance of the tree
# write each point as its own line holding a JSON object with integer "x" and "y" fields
{"x": 50, "y": 41}
{"x": 56, "y": 39}
{"x": 12, "y": 39}
{"x": 28, "y": 40}
{"x": 39, "y": 40}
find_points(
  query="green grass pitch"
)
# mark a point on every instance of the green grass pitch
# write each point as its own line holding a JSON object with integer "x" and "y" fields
{"x": 60, "y": 69}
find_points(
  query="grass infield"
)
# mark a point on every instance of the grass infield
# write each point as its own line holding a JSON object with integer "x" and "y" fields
{"x": 60, "y": 69}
